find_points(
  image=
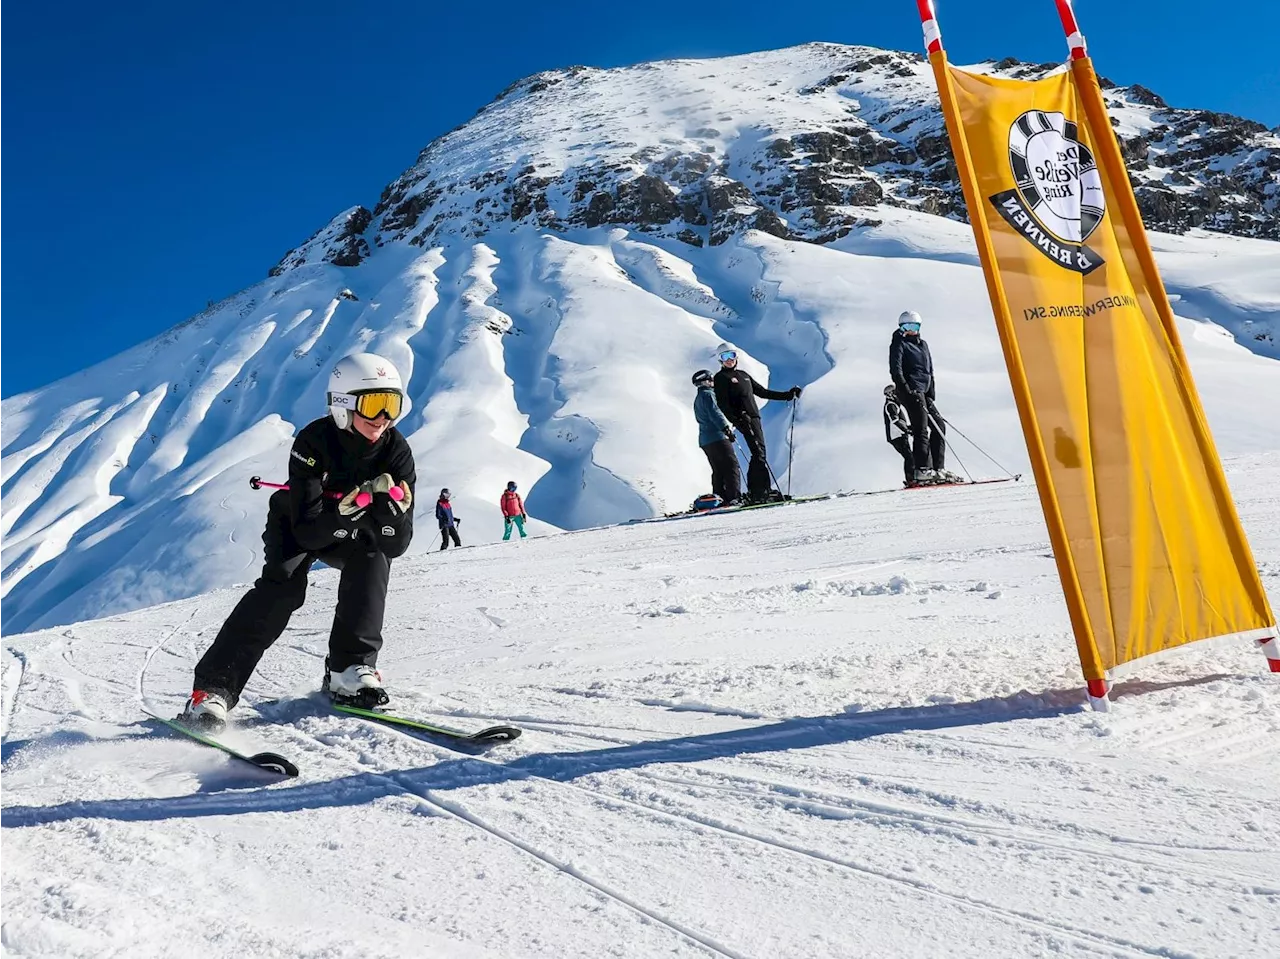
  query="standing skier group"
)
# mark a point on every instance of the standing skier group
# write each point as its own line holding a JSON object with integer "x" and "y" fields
{"x": 725, "y": 403}
{"x": 725, "y": 407}
{"x": 909, "y": 409}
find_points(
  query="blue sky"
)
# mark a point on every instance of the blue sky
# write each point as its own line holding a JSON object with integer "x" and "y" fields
{"x": 158, "y": 156}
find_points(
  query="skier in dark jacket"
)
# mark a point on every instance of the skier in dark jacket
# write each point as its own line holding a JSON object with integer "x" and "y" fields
{"x": 715, "y": 436}
{"x": 911, "y": 368}
{"x": 736, "y": 394}
{"x": 448, "y": 523}
{"x": 359, "y": 529}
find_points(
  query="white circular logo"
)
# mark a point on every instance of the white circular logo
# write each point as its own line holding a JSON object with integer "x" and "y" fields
{"x": 1056, "y": 175}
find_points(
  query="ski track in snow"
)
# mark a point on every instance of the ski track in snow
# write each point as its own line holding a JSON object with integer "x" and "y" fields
{"x": 1079, "y": 936}
{"x": 15, "y": 670}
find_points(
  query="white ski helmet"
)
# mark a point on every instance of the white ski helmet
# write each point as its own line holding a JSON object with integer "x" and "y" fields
{"x": 365, "y": 379}
{"x": 909, "y": 316}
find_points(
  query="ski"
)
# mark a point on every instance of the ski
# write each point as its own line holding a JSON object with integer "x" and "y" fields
{"x": 721, "y": 510}
{"x": 271, "y": 762}
{"x": 981, "y": 482}
{"x": 489, "y": 736}
{"x": 903, "y": 489}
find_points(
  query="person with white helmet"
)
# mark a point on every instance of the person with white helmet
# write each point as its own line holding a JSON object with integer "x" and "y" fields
{"x": 349, "y": 503}
{"x": 911, "y": 368}
{"x": 736, "y": 394}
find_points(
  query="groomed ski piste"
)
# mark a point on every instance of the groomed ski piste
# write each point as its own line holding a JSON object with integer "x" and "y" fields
{"x": 853, "y": 728}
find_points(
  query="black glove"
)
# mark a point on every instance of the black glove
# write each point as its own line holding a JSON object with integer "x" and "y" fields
{"x": 795, "y": 392}
{"x": 395, "y": 498}
{"x": 356, "y": 503}
{"x": 728, "y": 432}
{"x": 457, "y": 521}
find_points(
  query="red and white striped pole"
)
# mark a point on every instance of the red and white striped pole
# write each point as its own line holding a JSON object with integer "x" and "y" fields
{"x": 929, "y": 21}
{"x": 1075, "y": 39}
{"x": 1271, "y": 649}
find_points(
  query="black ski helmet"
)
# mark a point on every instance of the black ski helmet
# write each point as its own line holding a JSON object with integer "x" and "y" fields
{"x": 512, "y": 486}
{"x": 444, "y": 493}
{"x": 701, "y": 375}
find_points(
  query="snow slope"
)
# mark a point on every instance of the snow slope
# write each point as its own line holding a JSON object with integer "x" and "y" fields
{"x": 562, "y": 362}
{"x": 837, "y": 729}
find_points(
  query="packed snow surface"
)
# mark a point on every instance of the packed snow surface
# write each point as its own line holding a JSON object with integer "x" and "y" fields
{"x": 836, "y": 729}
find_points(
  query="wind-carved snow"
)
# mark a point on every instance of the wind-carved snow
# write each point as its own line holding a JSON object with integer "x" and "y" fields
{"x": 541, "y": 349}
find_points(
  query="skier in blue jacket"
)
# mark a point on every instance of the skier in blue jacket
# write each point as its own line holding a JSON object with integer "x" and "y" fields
{"x": 715, "y": 436}
{"x": 448, "y": 523}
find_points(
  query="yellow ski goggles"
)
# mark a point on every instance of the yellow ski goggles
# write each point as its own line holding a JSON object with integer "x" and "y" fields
{"x": 371, "y": 404}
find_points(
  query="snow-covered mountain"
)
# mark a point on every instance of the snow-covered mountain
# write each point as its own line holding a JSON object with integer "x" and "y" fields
{"x": 549, "y": 275}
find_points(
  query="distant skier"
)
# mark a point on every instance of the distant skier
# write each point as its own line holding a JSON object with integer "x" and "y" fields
{"x": 897, "y": 431}
{"x": 736, "y": 394}
{"x": 512, "y": 511}
{"x": 911, "y": 367}
{"x": 448, "y": 523}
{"x": 715, "y": 436}
{"x": 356, "y": 450}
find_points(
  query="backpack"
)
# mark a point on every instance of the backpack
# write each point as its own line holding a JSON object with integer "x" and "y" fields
{"x": 706, "y": 501}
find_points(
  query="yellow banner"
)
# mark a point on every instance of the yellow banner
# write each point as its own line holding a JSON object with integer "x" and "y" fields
{"x": 1145, "y": 534}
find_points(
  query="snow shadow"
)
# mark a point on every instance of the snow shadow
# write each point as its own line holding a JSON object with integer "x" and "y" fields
{"x": 791, "y": 734}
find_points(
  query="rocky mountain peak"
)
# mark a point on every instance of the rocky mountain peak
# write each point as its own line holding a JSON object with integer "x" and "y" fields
{"x": 805, "y": 143}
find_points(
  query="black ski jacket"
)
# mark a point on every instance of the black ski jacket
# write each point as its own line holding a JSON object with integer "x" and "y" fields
{"x": 736, "y": 394}
{"x": 327, "y": 458}
{"x": 910, "y": 365}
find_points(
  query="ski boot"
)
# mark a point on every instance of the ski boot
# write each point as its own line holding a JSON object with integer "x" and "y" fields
{"x": 357, "y": 685}
{"x": 205, "y": 711}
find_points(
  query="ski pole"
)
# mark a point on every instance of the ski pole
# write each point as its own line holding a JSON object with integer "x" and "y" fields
{"x": 791, "y": 441}
{"x": 979, "y": 449}
{"x": 950, "y": 448}
{"x": 747, "y": 453}
{"x": 257, "y": 482}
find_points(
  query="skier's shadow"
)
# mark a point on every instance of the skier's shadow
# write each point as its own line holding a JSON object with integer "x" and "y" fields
{"x": 789, "y": 734}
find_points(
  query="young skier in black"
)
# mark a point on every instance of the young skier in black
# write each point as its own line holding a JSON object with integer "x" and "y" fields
{"x": 897, "y": 431}
{"x": 715, "y": 436}
{"x": 448, "y": 522}
{"x": 354, "y": 450}
{"x": 736, "y": 394}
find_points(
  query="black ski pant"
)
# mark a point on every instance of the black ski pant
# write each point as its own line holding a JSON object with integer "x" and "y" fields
{"x": 263, "y": 613}
{"x": 445, "y": 533}
{"x": 903, "y": 445}
{"x": 758, "y": 480}
{"x": 928, "y": 433}
{"x": 726, "y": 475}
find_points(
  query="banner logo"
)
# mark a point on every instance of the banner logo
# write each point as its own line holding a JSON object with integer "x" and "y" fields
{"x": 1058, "y": 201}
